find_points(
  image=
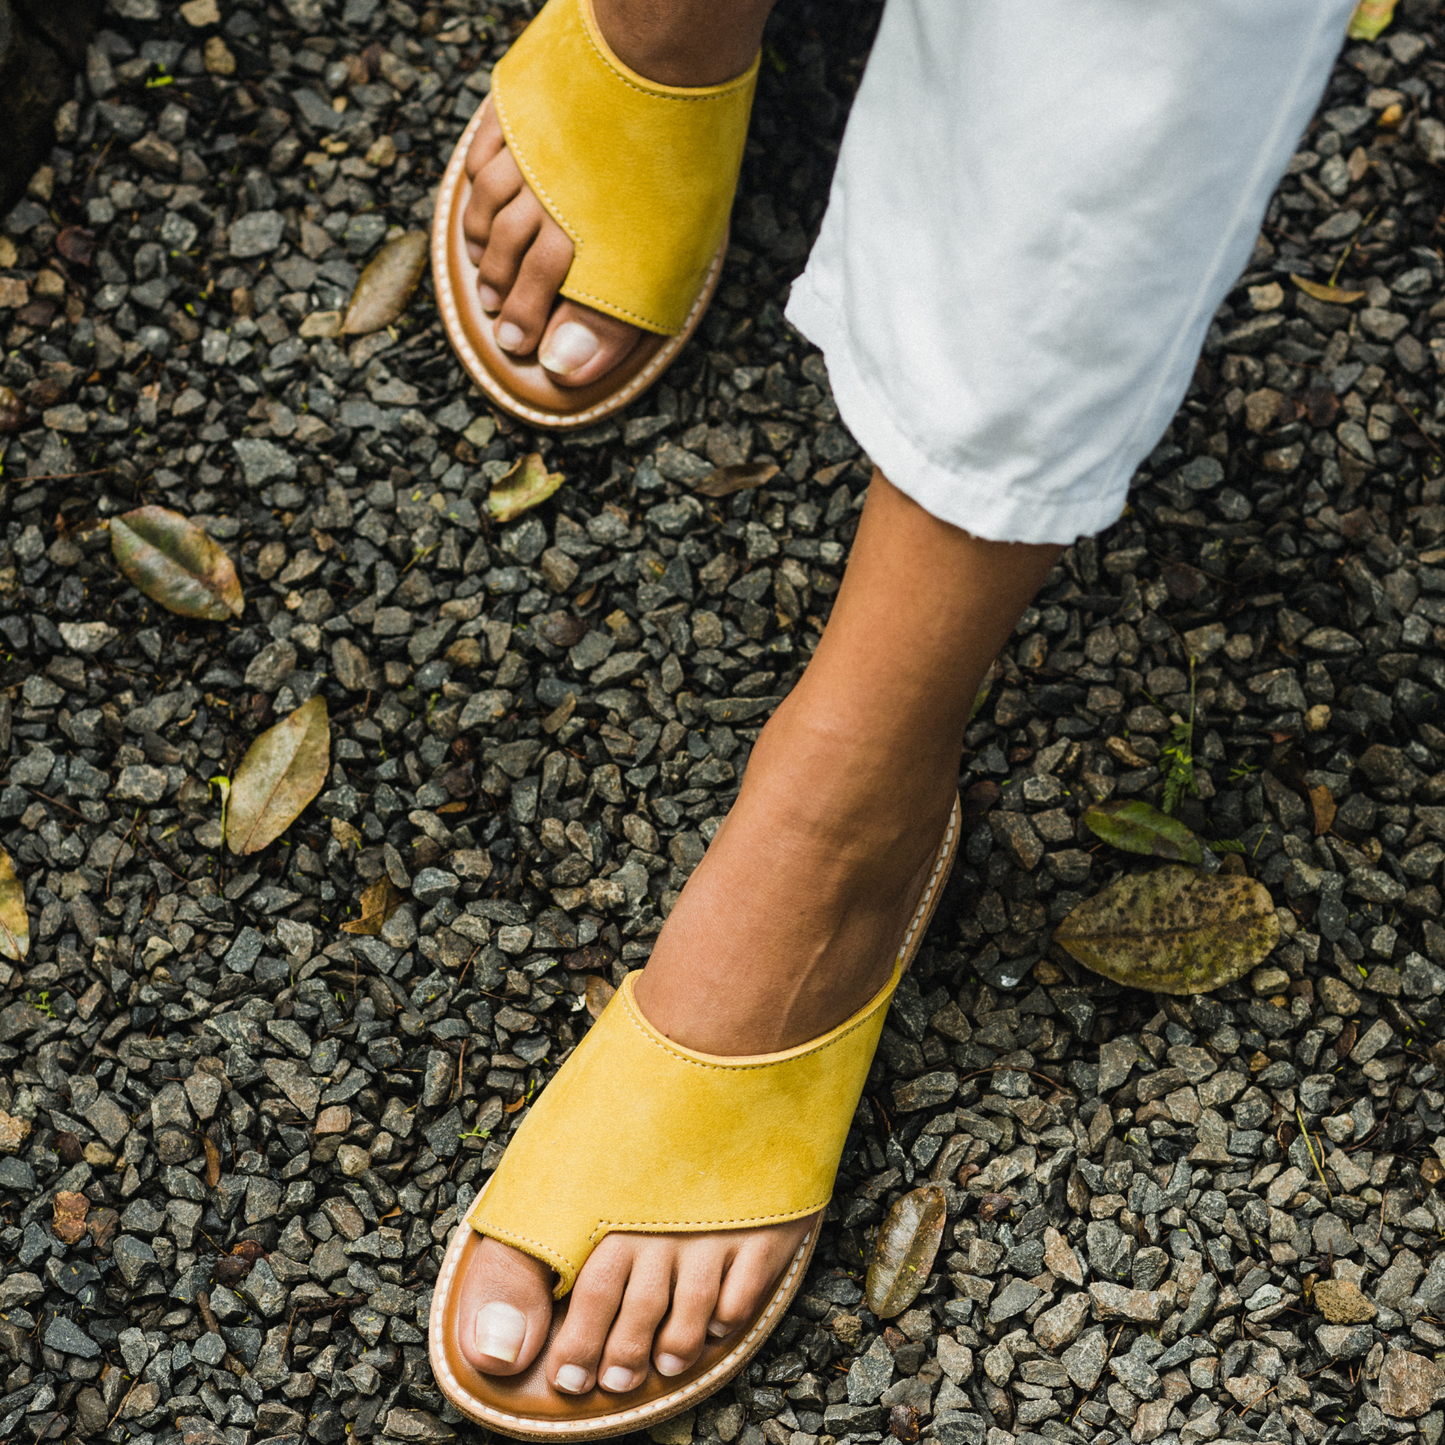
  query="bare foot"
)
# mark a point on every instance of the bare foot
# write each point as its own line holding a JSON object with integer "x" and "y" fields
{"x": 789, "y": 925}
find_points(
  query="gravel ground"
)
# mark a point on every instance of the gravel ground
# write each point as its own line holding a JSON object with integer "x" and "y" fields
{"x": 1168, "y": 1219}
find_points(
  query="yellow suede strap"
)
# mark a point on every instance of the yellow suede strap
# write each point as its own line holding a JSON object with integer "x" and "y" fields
{"x": 640, "y": 175}
{"x": 650, "y": 1137}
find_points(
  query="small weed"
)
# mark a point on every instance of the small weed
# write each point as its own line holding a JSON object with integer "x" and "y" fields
{"x": 1242, "y": 770}
{"x": 1226, "y": 845}
{"x": 1178, "y": 758}
{"x": 43, "y": 1005}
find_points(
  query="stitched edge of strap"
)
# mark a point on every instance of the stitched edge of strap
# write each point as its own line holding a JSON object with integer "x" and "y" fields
{"x": 745, "y": 1063}
{"x": 653, "y": 89}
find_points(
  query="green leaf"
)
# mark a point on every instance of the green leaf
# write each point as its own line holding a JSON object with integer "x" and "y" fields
{"x": 1172, "y": 930}
{"x": 14, "y": 920}
{"x": 1136, "y": 827}
{"x": 176, "y": 564}
{"x": 524, "y": 487}
{"x": 282, "y": 771}
{"x": 904, "y": 1251}
{"x": 387, "y": 284}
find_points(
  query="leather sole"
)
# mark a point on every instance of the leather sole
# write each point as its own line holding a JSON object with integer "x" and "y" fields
{"x": 526, "y": 1406}
{"x": 521, "y": 387}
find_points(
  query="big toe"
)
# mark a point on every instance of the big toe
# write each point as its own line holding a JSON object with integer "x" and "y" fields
{"x": 514, "y": 1310}
{"x": 581, "y": 345}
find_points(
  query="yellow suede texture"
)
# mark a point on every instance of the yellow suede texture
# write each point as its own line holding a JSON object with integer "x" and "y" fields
{"x": 653, "y": 1138}
{"x": 641, "y": 176}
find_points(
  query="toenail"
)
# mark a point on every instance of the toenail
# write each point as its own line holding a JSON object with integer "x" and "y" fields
{"x": 569, "y": 348}
{"x": 717, "y": 1329}
{"x": 670, "y": 1365}
{"x": 501, "y": 1328}
{"x": 510, "y": 336}
{"x": 491, "y": 300}
{"x": 617, "y": 1380}
{"x": 572, "y": 1379}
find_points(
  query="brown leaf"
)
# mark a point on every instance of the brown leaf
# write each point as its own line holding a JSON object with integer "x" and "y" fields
{"x": 378, "y": 902}
{"x": 1346, "y": 1040}
{"x": 740, "y": 478}
{"x": 1323, "y": 803}
{"x": 13, "y": 415}
{"x": 230, "y": 1270}
{"x": 1172, "y": 931}
{"x": 282, "y": 771}
{"x": 966, "y": 1172}
{"x": 528, "y": 484}
{"x": 103, "y": 1225}
{"x": 515, "y": 1105}
{"x": 1432, "y": 1171}
{"x": 1184, "y": 583}
{"x": 68, "y": 1219}
{"x": 588, "y": 960}
{"x": 993, "y": 1205}
{"x": 1321, "y": 406}
{"x": 76, "y": 244}
{"x": 561, "y": 629}
{"x": 903, "y": 1424}
{"x": 978, "y": 799}
{"x": 599, "y": 992}
{"x": 904, "y": 1251}
{"x": 213, "y": 1162}
{"x": 176, "y": 564}
{"x": 249, "y": 1250}
{"x": 1334, "y": 295}
{"x": 14, "y": 920}
{"x": 69, "y": 1147}
{"x": 387, "y": 284}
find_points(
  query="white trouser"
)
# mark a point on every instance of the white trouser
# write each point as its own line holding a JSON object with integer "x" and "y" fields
{"x": 1038, "y": 207}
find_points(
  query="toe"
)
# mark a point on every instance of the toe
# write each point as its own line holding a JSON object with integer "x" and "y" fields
{"x": 512, "y": 1321}
{"x": 529, "y": 300}
{"x": 757, "y": 1261}
{"x": 694, "y": 1298}
{"x": 513, "y": 232}
{"x": 625, "y": 1357}
{"x": 495, "y": 181}
{"x": 591, "y": 1309}
{"x": 582, "y": 345}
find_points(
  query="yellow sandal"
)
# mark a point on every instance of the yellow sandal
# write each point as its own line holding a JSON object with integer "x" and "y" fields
{"x": 693, "y": 1142}
{"x": 641, "y": 176}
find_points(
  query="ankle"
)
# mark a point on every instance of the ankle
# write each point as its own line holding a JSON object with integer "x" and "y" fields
{"x": 683, "y": 42}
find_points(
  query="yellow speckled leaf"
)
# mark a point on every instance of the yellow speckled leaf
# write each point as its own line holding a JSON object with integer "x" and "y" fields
{"x": 1173, "y": 931}
{"x": 904, "y": 1251}
{"x": 14, "y": 920}
{"x": 524, "y": 487}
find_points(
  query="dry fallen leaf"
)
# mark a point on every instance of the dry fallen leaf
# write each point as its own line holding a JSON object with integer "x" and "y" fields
{"x": 213, "y": 1162}
{"x": 1137, "y": 827}
{"x": 176, "y": 564}
{"x": 1335, "y": 295}
{"x": 387, "y": 284}
{"x": 1370, "y": 18}
{"x": 741, "y": 478}
{"x": 992, "y": 1205}
{"x": 1323, "y": 803}
{"x": 13, "y": 415}
{"x": 524, "y": 487}
{"x": 76, "y": 244}
{"x": 103, "y": 1225}
{"x": 599, "y": 992}
{"x": 378, "y": 902}
{"x": 1172, "y": 931}
{"x": 904, "y": 1251}
{"x": 282, "y": 771}
{"x": 903, "y": 1424}
{"x": 68, "y": 1220}
{"x": 69, "y": 1147}
{"x": 14, "y": 920}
